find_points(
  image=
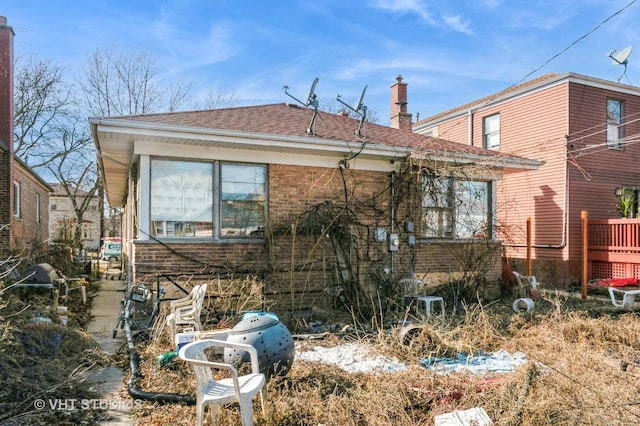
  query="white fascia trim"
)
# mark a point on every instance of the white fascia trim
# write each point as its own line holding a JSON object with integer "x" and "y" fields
{"x": 364, "y": 161}
{"x": 157, "y": 130}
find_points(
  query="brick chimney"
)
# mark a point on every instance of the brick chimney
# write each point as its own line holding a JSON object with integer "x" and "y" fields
{"x": 6, "y": 133}
{"x": 400, "y": 119}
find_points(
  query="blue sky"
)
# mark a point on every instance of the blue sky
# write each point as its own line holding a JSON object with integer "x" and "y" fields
{"x": 449, "y": 52}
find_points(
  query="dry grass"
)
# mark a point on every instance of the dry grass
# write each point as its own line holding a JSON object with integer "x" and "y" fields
{"x": 584, "y": 368}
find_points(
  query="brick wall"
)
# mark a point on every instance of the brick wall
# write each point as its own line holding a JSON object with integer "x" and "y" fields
{"x": 29, "y": 234}
{"x": 306, "y": 263}
{"x": 6, "y": 133}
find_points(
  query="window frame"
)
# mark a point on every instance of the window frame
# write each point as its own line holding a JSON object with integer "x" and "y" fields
{"x": 615, "y": 124}
{"x": 38, "y": 211}
{"x": 488, "y": 134}
{"x": 448, "y": 218}
{"x": 17, "y": 198}
{"x": 215, "y": 194}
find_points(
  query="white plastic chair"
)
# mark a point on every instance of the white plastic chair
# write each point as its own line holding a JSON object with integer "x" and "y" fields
{"x": 187, "y": 311}
{"x": 526, "y": 283}
{"x": 209, "y": 391}
{"x": 628, "y": 297}
{"x": 412, "y": 293}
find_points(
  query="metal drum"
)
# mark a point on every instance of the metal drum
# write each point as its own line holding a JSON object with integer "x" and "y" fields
{"x": 272, "y": 340}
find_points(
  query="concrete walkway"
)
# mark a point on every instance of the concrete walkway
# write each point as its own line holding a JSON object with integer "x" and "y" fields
{"x": 109, "y": 381}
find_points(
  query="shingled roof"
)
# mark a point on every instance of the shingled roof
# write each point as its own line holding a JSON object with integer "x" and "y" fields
{"x": 274, "y": 131}
{"x": 292, "y": 120}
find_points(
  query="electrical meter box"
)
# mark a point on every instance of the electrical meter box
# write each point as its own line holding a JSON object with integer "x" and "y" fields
{"x": 394, "y": 242}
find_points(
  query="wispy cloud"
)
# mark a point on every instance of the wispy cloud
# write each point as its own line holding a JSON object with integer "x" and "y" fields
{"x": 420, "y": 8}
{"x": 458, "y": 24}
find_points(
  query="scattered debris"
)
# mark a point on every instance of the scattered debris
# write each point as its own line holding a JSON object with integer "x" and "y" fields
{"x": 471, "y": 417}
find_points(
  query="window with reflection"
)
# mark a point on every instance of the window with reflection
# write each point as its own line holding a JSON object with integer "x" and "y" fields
{"x": 207, "y": 199}
{"x": 456, "y": 209}
{"x": 243, "y": 199}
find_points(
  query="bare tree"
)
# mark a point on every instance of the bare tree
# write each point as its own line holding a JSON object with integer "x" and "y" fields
{"x": 126, "y": 83}
{"x": 42, "y": 104}
{"x": 77, "y": 172}
{"x": 219, "y": 99}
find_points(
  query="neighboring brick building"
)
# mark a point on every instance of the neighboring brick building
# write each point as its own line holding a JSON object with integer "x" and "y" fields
{"x": 30, "y": 224}
{"x": 24, "y": 196}
{"x": 63, "y": 219}
{"x": 299, "y": 199}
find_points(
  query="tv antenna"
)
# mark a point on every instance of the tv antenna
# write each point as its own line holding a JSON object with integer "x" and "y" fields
{"x": 360, "y": 110}
{"x": 312, "y": 100}
{"x": 621, "y": 58}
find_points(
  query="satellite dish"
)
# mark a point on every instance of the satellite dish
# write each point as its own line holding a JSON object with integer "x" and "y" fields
{"x": 312, "y": 100}
{"x": 622, "y": 57}
{"x": 311, "y": 97}
{"x": 359, "y": 104}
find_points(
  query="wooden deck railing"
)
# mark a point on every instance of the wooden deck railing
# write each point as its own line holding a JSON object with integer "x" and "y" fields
{"x": 614, "y": 248}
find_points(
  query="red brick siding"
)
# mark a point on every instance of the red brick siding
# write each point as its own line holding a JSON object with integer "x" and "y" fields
{"x": 26, "y": 232}
{"x": 302, "y": 263}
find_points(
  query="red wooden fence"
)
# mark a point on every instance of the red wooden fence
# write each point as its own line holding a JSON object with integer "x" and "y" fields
{"x": 613, "y": 248}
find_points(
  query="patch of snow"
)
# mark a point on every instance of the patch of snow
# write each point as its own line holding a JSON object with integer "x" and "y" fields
{"x": 351, "y": 357}
{"x": 499, "y": 362}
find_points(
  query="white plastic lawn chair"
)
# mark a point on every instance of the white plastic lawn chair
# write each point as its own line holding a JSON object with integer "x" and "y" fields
{"x": 187, "y": 311}
{"x": 526, "y": 284}
{"x": 209, "y": 391}
{"x": 628, "y": 297}
{"x": 185, "y": 301}
{"x": 412, "y": 292}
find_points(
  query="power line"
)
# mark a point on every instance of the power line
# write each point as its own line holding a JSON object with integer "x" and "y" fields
{"x": 492, "y": 98}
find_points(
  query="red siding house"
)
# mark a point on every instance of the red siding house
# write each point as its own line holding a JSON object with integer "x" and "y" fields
{"x": 584, "y": 130}
{"x": 311, "y": 203}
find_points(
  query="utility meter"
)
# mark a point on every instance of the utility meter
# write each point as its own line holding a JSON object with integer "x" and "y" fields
{"x": 394, "y": 242}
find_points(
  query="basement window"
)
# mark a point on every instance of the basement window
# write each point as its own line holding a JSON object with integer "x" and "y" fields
{"x": 456, "y": 209}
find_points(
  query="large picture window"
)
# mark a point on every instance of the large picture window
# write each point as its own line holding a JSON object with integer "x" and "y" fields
{"x": 456, "y": 209}
{"x": 207, "y": 200}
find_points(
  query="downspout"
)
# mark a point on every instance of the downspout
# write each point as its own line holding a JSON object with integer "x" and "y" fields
{"x": 470, "y": 127}
{"x": 565, "y": 210}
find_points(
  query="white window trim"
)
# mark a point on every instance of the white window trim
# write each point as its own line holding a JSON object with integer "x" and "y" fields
{"x": 486, "y": 133}
{"x": 615, "y": 126}
{"x": 17, "y": 197}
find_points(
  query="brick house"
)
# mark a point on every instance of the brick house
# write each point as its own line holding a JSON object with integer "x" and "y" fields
{"x": 584, "y": 129}
{"x": 24, "y": 196}
{"x": 303, "y": 199}
{"x": 63, "y": 219}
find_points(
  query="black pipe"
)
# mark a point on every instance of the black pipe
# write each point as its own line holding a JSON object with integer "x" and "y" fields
{"x": 162, "y": 398}
{"x": 134, "y": 362}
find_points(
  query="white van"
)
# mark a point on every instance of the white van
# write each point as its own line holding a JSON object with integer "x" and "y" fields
{"x": 111, "y": 249}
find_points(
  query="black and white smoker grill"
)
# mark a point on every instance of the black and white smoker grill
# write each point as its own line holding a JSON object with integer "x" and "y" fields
{"x": 40, "y": 279}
